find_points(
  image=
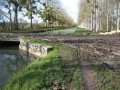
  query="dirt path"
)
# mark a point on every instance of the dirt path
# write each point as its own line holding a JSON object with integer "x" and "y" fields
{"x": 90, "y": 81}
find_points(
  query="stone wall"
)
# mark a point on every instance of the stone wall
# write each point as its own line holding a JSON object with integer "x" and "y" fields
{"x": 9, "y": 37}
{"x": 35, "y": 48}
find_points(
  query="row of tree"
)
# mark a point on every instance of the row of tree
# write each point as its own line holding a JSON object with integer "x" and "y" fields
{"x": 50, "y": 11}
{"x": 99, "y": 14}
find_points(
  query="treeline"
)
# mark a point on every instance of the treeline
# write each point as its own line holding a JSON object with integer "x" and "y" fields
{"x": 99, "y": 14}
{"x": 50, "y": 11}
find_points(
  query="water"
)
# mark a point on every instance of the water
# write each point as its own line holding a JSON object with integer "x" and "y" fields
{"x": 62, "y": 32}
{"x": 11, "y": 60}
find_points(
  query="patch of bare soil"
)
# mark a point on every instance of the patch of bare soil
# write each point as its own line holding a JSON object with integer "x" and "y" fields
{"x": 91, "y": 50}
{"x": 92, "y": 54}
{"x": 90, "y": 80}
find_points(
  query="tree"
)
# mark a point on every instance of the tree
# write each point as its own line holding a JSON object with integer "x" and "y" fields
{"x": 53, "y": 14}
{"x": 101, "y": 13}
{"x": 16, "y": 4}
{"x": 8, "y": 6}
{"x": 30, "y": 6}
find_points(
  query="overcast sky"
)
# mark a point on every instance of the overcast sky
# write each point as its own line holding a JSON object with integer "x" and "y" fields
{"x": 72, "y": 7}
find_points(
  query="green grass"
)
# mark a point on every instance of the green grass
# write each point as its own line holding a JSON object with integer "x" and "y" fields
{"x": 21, "y": 31}
{"x": 83, "y": 31}
{"x": 109, "y": 79}
{"x": 59, "y": 68}
{"x": 38, "y": 75}
{"x": 30, "y": 30}
{"x": 72, "y": 75}
{"x": 103, "y": 31}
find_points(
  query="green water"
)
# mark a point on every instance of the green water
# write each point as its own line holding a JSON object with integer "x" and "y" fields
{"x": 64, "y": 31}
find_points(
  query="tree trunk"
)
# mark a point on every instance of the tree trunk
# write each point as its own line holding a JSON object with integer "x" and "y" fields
{"x": 108, "y": 15}
{"x": 10, "y": 21}
{"x": 112, "y": 26}
{"x": 16, "y": 18}
{"x": 31, "y": 24}
{"x": 96, "y": 23}
{"x": 100, "y": 20}
{"x": 118, "y": 18}
{"x": 92, "y": 15}
{"x": 10, "y": 18}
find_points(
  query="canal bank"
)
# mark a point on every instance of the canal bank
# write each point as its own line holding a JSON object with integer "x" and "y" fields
{"x": 37, "y": 72}
{"x": 11, "y": 60}
{"x": 15, "y": 55}
{"x": 55, "y": 71}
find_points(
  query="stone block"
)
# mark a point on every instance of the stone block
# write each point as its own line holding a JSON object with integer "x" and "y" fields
{"x": 35, "y": 48}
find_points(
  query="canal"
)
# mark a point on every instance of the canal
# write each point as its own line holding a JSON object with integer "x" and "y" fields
{"x": 61, "y": 32}
{"x": 11, "y": 60}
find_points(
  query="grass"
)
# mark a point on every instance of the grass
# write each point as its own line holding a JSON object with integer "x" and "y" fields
{"x": 58, "y": 69}
{"x": 38, "y": 75}
{"x": 79, "y": 31}
{"x": 72, "y": 75}
{"x": 83, "y": 31}
{"x": 20, "y": 31}
{"x": 103, "y": 31}
{"x": 109, "y": 79}
{"x": 29, "y": 30}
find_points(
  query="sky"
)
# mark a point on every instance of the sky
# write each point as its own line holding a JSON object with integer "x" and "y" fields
{"x": 72, "y": 7}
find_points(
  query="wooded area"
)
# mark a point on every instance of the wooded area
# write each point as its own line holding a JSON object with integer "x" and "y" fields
{"x": 99, "y": 14}
{"x": 50, "y": 11}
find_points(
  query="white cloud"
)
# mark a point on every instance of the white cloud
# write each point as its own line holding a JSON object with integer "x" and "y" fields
{"x": 72, "y": 7}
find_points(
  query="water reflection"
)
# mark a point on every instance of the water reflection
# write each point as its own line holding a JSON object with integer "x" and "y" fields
{"x": 11, "y": 60}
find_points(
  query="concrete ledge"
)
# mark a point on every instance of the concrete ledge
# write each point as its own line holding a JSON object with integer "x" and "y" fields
{"x": 34, "y": 48}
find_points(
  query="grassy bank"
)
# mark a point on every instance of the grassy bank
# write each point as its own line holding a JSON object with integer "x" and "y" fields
{"x": 30, "y": 30}
{"x": 57, "y": 70}
{"x": 38, "y": 75}
{"x": 83, "y": 31}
